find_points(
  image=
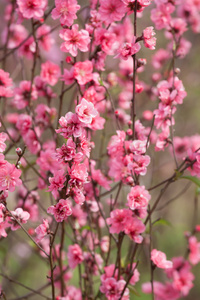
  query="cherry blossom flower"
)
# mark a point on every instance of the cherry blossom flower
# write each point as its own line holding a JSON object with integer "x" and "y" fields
{"x": 148, "y": 38}
{"x": 9, "y": 177}
{"x": 83, "y": 72}
{"x": 50, "y": 72}
{"x": 42, "y": 230}
{"x": 65, "y": 10}
{"x": 21, "y": 216}
{"x": 75, "y": 256}
{"x": 159, "y": 259}
{"x": 111, "y": 10}
{"x": 138, "y": 197}
{"x": 74, "y": 40}
{"x": 32, "y": 8}
{"x": 5, "y": 84}
{"x": 86, "y": 111}
{"x": 61, "y": 211}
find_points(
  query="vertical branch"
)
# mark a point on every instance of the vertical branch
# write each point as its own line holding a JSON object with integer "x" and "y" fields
{"x": 133, "y": 112}
{"x": 151, "y": 263}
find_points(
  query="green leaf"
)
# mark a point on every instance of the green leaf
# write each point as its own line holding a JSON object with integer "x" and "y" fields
{"x": 87, "y": 227}
{"x": 133, "y": 291}
{"x": 162, "y": 222}
{"x": 193, "y": 179}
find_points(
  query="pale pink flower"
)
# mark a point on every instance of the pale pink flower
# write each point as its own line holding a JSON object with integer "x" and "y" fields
{"x": 70, "y": 125}
{"x": 75, "y": 256}
{"x": 86, "y": 111}
{"x": 32, "y": 8}
{"x": 61, "y": 211}
{"x": 9, "y": 177}
{"x": 159, "y": 259}
{"x": 74, "y": 40}
{"x": 65, "y": 10}
{"x": 42, "y": 230}
{"x": 138, "y": 197}
{"x": 50, "y": 72}
{"x": 83, "y": 72}
{"x": 21, "y": 216}
{"x": 3, "y": 138}
{"x": 5, "y": 84}
{"x": 148, "y": 37}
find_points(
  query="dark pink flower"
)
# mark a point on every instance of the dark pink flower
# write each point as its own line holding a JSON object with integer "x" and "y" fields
{"x": 61, "y": 211}
{"x": 5, "y": 84}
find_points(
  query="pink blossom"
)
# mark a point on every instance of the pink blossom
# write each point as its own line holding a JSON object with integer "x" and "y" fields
{"x": 44, "y": 37}
{"x": 56, "y": 183}
{"x": 86, "y": 111}
{"x": 111, "y": 10}
{"x": 119, "y": 219}
{"x": 68, "y": 76}
{"x": 148, "y": 38}
{"x": 24, "y": 123}
{"x": 138, "y": 197}
{"x": 2, "y": 212}
{"x": 17, "y": 34}
{"x": 42, "y": 230}
{"x": 61, "y": 210}
{"x": 159, "y": 259}
{"x": 113, "y": 289}
{"x": 50, "y": 72}
{"x": 74, "y": 40}
{"x": 129, "y": 49}
{"x": 9, "y": 177}
{"x": 21, "y": 216}
{"x": 134, "y": 228}
{"x": 75, "y": 256}
{"x": 22, "y": 94}
{"x": 3, "y": 138}
{"x": 5, "y": 84}
{"x": 161, "y": 15}
{"x": 83, "y": 72}
{"x": 78, "y": 172}
{"x": 70, "y": 125}
{"x": 141, "y": 4}
{"x": 66, "y": 152}
{"x": 194, "y": 248}
{"x": 66, "y": 11}
{"x": 32, "y": 8}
